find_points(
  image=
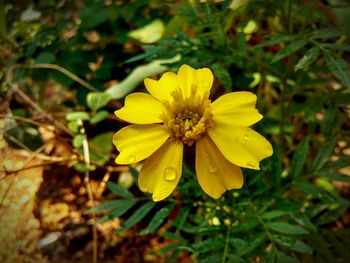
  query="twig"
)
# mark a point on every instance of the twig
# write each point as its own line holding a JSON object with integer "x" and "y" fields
{"x": 103, "y": 183}
{"x": 26, "y": 120}
{"x": 60, "y": 69}
{"x": 40, "y": 110}
{"x": 89, "y": 191}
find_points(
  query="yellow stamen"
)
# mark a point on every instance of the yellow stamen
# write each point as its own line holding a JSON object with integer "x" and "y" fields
{"x": 188, "y": 118}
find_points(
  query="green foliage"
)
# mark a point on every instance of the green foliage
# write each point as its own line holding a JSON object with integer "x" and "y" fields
{"x": 293, "y": 54}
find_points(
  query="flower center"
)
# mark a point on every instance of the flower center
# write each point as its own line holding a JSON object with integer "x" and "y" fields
{"x": 188, "y": 118}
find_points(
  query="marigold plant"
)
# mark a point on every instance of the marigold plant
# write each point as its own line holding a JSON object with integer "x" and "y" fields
{"x": 178, "y": 113}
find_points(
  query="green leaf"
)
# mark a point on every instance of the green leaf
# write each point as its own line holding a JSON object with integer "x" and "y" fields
{"x": 336, "y": 46}
{"x": 92, "y": 16}
{"x": 314, "y": 191}
{"x": 335, "y": 176}
{"x": 243, "y": 247}
{"x": 134, "y": 173}
{"x": 119, "y": 190}
{"x": 276, "y": 40}
{"x": 339, "y": 68}
{"x": 180, "y": 220}
{"x": 286, "y": 228}
{"x": 222, "y": 74}
{"x": 341, "y": 162}
{"x": 78, "y": 115}
{"x": 211, "y": 245}
{"x": 99, "y": 116}
{"x": 310, "y": 56}
{"x": 274, "y": 214}
{"x": 45, "y": 57}
{"x": 300, "y": 157}
{"x": 137, "y": 216}
{"x": 73, "y": 126}
{"x": 149, "y": 33}
{"x": 211, "y": 258}
{"x": 293, "y": 47}
{"x": 328, "y": 33}
{"x": 96, "y": 100}
{"x": 330, "y": 122}
{"x": 172, "y": 236}
{"x": 324, "y": 153}
{"x": 101, "y": 147}
{"x": 119, "y": 205}
{"x": 292, "y": 244}
{"x": 78, "y": 140}
{"x": 120, "y": 208}
{"x": 283, "y": 258}
{"x": 246, "y": 225}
{"x": 157, "y": 220}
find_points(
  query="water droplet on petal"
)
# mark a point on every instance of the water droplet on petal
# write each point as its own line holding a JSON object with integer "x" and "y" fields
{"x": 169, "y": 174}
{"x": 131, "y": 159}
{"x": 212, "y": 168}
{"x": 144, "y": 187}
{"x": 246, "y": 137}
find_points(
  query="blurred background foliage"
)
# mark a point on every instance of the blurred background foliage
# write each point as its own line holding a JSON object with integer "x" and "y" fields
{"x": 68, "y": 65}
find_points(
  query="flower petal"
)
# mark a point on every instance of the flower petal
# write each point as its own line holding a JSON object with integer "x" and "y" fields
{"x": 215, "y": 174}
{"x": 241, "y": 146}
{"x": 238, "y": 108}
{"x": 161, "y": 89}
{"x": 204, "y": 79}
{"x": 161, "y": 172}
{"x": 200, "y": 79}
{"x": 186, "y": 78}
{"x": 141, "y": 108}
{"x": 136, "y": 142}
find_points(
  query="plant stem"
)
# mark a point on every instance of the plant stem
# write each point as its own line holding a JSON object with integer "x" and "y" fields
{"x": 226, "y": 243}
{"x": 89, "y": 192}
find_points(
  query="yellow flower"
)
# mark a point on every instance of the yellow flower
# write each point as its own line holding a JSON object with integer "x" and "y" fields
{"x": 178, "y": 112}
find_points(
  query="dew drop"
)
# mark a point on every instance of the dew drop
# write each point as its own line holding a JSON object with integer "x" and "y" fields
{"x": 145, "y": 188}
{"x": 169, "y": 174}
{"x": 246, "y": 137}
{"x": 212, "y": 168}
{"x": 131, "y": 159}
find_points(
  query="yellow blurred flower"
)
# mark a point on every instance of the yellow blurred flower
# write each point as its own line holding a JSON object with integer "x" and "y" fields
{"x": 178, "y": 112}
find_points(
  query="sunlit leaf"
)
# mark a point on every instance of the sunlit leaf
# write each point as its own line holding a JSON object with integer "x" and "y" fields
{"x": 96, "y": 100}
{"x": 310, "y": 56}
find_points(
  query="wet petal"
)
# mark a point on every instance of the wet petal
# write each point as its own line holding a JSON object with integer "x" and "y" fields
{"x": 241, "y": 146}
{"x": 141, "y": 108}
{"x": 200, "y": 79}
{"x": 204, "y": 80}
{"x": 237, "y": 108}
{"x": 161, "y": 89}
{"x": 137, "y": 142}
{"x": 161, "y": 172}
{"x": 215, "y": 174}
